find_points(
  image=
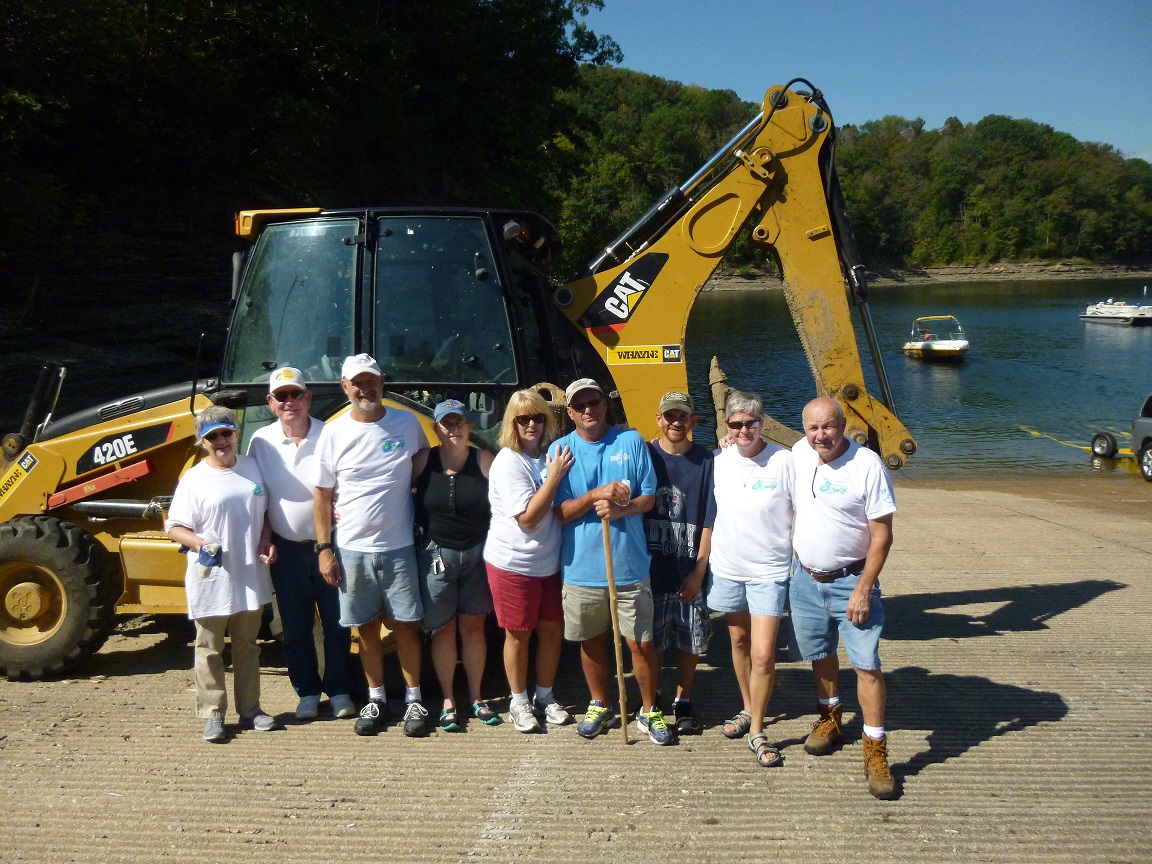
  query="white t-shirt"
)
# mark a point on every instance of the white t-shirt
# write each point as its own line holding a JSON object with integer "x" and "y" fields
{"x": 227, "y": 505}
{"x": 834, "y": 502}
{"x": 513, "y": 479}
{"x": 370, "y": 467}
{"x": 288, "y": 470}
{"x": 751, "y": 539}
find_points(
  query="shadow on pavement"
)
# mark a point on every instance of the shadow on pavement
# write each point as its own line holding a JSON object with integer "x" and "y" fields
{"x": 1022, "y": 608}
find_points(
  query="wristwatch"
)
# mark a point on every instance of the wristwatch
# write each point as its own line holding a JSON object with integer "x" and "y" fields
{"x": 320, "y": 547}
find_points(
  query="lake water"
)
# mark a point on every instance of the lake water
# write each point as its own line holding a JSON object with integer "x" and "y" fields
{"x": 1036, "y": 375}
{"x": 1034, "y": 370}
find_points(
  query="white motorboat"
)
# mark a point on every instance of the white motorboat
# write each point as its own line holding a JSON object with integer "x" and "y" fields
{"x": 1118, "y": 312}
{"x": 936, "y": 337}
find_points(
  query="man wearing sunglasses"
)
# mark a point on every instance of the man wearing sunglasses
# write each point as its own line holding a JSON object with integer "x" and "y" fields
{"x": 286, "y": 453}
{"x": 611, "y": 478}
{"x": 843, "y": 532}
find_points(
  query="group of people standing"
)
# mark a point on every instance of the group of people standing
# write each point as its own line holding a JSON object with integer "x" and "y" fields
{"x": 363, "y": 525}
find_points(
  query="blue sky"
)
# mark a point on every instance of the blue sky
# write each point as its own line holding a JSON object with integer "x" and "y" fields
{"x": 1084, "y": 68}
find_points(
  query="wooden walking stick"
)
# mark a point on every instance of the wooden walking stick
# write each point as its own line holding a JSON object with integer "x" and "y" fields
{"x": 615, "y": 629}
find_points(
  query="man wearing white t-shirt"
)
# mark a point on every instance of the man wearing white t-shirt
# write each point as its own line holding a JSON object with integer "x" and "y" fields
{"x": 366, "y": 461}
{"x": 843, "y": 531}
{"x": 286, "y": 453}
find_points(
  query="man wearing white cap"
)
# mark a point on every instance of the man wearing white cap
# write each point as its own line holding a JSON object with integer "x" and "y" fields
{"x": 611, "y": 478}
{"x": 286, "y": 454}
{"x": 366, "y": 461}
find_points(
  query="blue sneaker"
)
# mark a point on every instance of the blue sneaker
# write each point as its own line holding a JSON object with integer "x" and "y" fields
{"x": 653, "y": 725}
{"x": 596, "y": 719}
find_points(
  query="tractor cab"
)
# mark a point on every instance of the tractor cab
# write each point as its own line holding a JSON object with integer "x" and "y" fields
{"x": 452, "y": 303}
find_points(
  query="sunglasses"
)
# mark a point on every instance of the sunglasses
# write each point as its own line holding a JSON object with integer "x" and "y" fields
{"x": 737, "y": 425}
{"x": 290, "y": 396}
{"x": 525, "y": 419}
{"x": 219, "y": 435}
{"x": 581, "y": 407}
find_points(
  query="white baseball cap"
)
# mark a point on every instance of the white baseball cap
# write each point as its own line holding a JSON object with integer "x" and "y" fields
{"x": 284, "y": 377}
{"x": 581, "y": 384}
{"x": 358, "y": 363}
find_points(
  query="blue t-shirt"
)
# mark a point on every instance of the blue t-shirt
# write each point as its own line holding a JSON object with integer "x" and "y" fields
{"x": 617, "y": 456}
{"x": 685, "y": 506}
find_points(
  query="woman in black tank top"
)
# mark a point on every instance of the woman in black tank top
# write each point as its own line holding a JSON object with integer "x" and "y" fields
{"x": 453, "y": 514}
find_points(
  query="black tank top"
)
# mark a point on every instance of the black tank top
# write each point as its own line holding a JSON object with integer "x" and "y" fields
{"x": 453, "y": 508}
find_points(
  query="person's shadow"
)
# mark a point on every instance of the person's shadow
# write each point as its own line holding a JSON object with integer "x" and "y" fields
{"x": 1011, "y": 610}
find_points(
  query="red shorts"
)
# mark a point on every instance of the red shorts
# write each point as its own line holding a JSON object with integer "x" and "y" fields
{"x": 521, "y": 602}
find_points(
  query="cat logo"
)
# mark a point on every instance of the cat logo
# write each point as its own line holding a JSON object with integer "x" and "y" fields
{"x": 626, "y": 355}
{"x": 24, "y": 464}
{"x": 616, "y": 304}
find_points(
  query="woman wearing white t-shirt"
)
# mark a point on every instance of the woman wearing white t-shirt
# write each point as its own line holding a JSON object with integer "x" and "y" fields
{"x": 751, "y": 562}
{"x": 522, "y": 555}
{"x": 218, "y": 514}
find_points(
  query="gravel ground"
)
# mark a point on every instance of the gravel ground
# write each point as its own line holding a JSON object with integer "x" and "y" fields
{"x": 1019, "y": 678}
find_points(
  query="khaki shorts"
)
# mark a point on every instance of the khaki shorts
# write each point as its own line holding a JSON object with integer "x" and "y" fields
{"x": 588, "y": 613}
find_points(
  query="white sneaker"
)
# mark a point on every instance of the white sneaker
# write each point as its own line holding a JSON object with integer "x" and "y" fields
{"x": 308, "y": 708}
{"x": 342, "y": 706}
{"x": 552, "y": 711}
{"x": 523, "y": 718}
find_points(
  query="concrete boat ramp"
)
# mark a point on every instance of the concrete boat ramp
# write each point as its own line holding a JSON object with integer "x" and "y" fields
{"x": 1020, "y": 689}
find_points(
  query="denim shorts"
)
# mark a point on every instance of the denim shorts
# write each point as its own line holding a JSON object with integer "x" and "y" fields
{"x": 759, "y": 597}
{"x": 588, "y": 611}
{"x": 684, "y": 626}
{"x": 820, "y": 609}
{"x": 452, "y": 582}
{"x": 375, "y": 583}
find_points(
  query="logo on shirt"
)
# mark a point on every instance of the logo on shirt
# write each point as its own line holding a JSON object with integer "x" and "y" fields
{"x": 764, "y": 485}
{"x": 258, "y": 491}
{"x": 618, "y": 458}
{"x": 834, "y": 487}
{"x": 670, "y": 501}
{"x": 886, "y": 495}
{"x": 391, "y": 445}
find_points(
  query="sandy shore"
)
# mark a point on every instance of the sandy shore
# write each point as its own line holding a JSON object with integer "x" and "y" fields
{"x": 1028, "y": 271}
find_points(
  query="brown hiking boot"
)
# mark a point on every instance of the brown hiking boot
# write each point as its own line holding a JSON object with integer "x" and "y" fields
{"x": 826, "y": 734}
{"x": 880, "y": 782}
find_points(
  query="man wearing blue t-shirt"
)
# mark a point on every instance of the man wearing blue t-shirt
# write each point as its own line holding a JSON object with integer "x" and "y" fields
{"x": 611, "y": 478}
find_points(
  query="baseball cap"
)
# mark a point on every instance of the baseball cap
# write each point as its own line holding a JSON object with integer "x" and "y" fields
{"x": 358, "y": 363}
{"x": 676, "y": 400}
{"x": 206, "y": 428}
{"x": 450, "y": 406}
{"x": 581, "y": 384}
{"x": 284, "y": 377}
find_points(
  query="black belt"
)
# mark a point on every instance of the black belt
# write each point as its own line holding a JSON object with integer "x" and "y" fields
{"x": 832, "y": 575}
{"x": 276, "y": 538}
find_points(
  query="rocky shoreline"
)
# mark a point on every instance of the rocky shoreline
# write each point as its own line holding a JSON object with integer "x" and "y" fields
{"x": 1026, "y": 271}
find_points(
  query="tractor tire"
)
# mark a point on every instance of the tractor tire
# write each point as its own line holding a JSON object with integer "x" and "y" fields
{"x": 1145, "y": 458}
{"x": 56, "y": 600}
{"x": 1104, "y": 444}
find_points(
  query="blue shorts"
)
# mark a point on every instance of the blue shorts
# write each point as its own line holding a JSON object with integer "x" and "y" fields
{"x": 378, "y": 583}
{"x": 819, "y": 610}
{"x": 759, "y": 597}
{"x": 452, "y": 583}
{"x": 684, "y": 626}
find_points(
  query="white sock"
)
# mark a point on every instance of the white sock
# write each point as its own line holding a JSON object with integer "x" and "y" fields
{"x": 874, "y": 732}
{"x": 517, "y": 698}
{"x": 377, "y": 694}
{"x": 543, "y": 694}
{"x": 411, "y": 694}
{"x": 830, "y": 703}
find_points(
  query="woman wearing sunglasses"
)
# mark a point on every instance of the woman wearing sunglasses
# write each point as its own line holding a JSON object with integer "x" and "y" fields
{"x": 523, "y": 555}
{"x": 751, "y": 561}
{"x": 218, "y": 515}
